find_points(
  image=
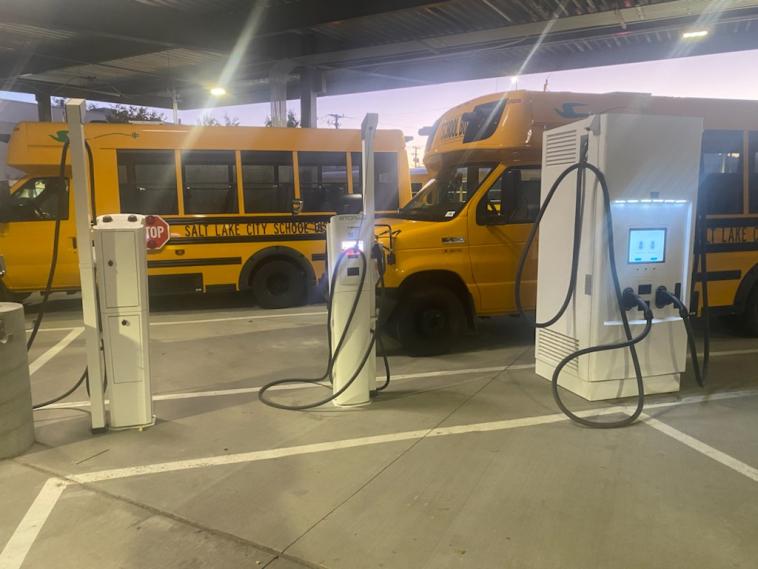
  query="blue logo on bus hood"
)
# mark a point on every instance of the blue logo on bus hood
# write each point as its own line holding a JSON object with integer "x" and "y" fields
{"x": 568, "y": 111}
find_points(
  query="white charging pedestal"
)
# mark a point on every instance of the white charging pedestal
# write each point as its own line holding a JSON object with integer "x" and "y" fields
{"x": 349, "y": 234}
{"x": 124, "y": 312}
{"x": 651, "y": 165}
{"x": 344, "y": 239}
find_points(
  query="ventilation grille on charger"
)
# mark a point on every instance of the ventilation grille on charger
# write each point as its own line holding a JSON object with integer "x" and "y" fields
{"x": 561, "y": 148}
{"x": 553, "y": 347}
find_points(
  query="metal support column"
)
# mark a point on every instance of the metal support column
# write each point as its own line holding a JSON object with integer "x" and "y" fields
{"x": 277, "y": 78}
{"x": 368, "y": 132}
{"x": 309, "y": 91}
{"x": 75, "y": 109}
{"x": 44, "y": 107}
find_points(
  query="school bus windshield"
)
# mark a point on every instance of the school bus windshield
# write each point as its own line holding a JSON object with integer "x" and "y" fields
{"x": 37, "y": 199}
{"x": 446, "y": 194}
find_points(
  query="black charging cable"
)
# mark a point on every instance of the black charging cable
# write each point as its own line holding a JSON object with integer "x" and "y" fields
{"x": 331, "y": 356}
{"x": 701, "y": 270}
{"x": 63, "y": 195}
{"x": 662, "y": 299}
{"x": 626, "y": 299}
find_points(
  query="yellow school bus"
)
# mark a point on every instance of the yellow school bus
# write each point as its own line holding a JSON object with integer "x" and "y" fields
{"x": 455, "y": 246}
{"x": 227, "y": 192}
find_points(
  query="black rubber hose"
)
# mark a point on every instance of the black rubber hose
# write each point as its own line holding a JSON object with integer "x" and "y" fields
{"x": 700, "y": 371}
{"x": 700, "y": 242}
{"x": 630, "y": 342}
{"x": 379, "y": 328}
{"x": 331, "y": 357}
{"x": 601, "y": 348}
{"x": 578, "y": 210}
{"x": 82, "y": 379}
{"x": 63, "y": 195}
{"x": 54, "y": 263}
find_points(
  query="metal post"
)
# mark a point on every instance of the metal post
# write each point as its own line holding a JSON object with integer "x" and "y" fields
{"x": 44, "y": 107}
{"x": 175, "y": 106}
{"x": 308, "y": 98}
{"x": 75, "y": 109}
{"x": 368, "y": 130}
{"x": 277, "y": 78}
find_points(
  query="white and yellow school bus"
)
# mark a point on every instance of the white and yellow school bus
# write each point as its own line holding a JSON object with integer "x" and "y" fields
{"x": 227, "y": 193}
{"x": 457, "y": 243}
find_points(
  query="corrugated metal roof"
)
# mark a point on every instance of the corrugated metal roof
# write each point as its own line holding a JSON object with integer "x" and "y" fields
{"x": 26, "y": 32}
{"x": 155, "y": 45}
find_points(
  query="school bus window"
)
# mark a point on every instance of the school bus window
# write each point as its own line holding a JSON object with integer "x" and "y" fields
{"x": 446, "y": 194}
{"x": 721, "y": 171}
{"x": 323, "y": 179}
{"x": 513, "y": 198}
{"x": 385, "y": 179}
{"x": 267, "y": 182}
{"x": 147, "y": 181}
{"x": 210, "y": 181}
{"x": 38, "y": 199}
{"x": 753, "y": 172}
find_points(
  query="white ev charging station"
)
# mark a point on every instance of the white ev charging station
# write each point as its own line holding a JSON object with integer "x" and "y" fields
{"x": 114, "y": 299}
{"x": 651, "y": 165}
{"x": 350, "y": 242}
{"x": 121, "y": 269}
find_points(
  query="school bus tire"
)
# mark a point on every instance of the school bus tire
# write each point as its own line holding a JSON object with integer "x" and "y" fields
{"x": 750, "y": 316}
{"x": 429, "y": 321}
{"x": 279, "y": 283}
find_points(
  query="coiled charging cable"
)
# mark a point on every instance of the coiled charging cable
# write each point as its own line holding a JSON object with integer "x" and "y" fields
{"x": 332, "y": 356}
{"x": 626, "y": 299}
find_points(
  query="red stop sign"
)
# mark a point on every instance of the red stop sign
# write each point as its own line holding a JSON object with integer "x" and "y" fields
{"x": 157, "y": 232}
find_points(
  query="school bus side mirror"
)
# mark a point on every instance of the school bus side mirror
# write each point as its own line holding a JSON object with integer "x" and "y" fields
{"x": 509, "y": 187}
{"x": 297, "y": 207}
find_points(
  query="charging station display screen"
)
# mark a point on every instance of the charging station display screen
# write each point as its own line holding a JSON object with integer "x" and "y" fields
{"x": 647, "y": 245}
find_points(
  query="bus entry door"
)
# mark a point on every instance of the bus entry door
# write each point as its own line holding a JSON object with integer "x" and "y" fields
{"x": 497, "y": 233}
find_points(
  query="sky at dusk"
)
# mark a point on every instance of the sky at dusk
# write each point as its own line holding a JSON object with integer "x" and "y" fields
{"x": 730, "y": 75}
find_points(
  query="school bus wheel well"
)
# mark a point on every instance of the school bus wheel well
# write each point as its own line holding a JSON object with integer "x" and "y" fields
{"x": 437, "y": 278}
{"x": 268, "y": 254}
{"x": 747, "y": 286}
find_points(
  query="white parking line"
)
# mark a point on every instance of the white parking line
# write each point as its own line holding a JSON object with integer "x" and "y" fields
{"x": 55, "y": 350}
{"x": 245, "y": 390}
{"x": 207, "y": 320}
{"x": 21, "y": 541}
{"x": 703, "y": 448}
{"x": 254, "y": 456}
{"x": 251, "y": 317}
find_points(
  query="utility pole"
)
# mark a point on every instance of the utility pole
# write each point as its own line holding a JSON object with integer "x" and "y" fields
{"x": 416, "y": 161}
{"x": 336, "y": 119}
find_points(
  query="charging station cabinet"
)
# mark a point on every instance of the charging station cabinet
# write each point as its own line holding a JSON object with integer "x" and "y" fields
{"x": 121, "y": 261}
{"x": 651, "y": 164}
